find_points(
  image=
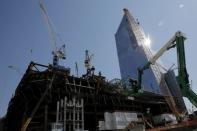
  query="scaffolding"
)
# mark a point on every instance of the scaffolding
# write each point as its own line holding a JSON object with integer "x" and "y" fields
{"x": 71, "y": 103}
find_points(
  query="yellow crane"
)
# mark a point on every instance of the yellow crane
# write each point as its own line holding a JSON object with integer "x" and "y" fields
{"x": 27, "y": 122}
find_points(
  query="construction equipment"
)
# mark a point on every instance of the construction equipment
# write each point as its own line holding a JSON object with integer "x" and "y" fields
{"x": 27, "y": 122}
{"x": 90, "y": 69}
{"x": 183, "y": 79}
{"x": 88, "y": 58}
{"x": 57, "y": 53}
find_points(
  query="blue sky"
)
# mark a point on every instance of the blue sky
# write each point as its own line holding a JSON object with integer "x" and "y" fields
{"x": 87, "y": 24}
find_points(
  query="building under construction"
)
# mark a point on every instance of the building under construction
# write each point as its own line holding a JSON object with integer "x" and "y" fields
{"x": 49, "y": 98}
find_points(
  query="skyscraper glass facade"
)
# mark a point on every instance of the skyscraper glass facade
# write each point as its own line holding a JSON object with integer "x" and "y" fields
{"x": 132, "y": 55}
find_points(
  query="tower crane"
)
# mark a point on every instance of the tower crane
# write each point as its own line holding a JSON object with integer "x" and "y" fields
{"x": 57, "y": 53}
{"x": 87, "y": 62}
{"x": 88, "y": 58}
{"x": 183, "y": 78}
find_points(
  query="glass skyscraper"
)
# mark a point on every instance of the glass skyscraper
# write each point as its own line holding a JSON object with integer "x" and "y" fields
{"x": 133, "y": 54}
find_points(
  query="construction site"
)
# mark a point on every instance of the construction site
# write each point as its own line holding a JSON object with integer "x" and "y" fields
{"x": 50, "y": 98}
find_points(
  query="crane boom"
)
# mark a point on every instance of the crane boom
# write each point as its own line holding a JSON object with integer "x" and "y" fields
{"x": 57, "y": 53}
{"x": 27, "y": 122}
{"x": 183, "y": 79}
{"x": 49, "y": 24}
{"x": 166, "y": 47}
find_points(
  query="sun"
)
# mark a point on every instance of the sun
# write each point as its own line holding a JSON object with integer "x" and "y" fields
{"x": 147, "y": 42}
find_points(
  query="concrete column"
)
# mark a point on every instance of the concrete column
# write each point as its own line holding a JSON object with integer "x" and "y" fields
{"x": 65, "y": 104}
{"x": 46, "y": 118}
{"x": 57, "y": 112}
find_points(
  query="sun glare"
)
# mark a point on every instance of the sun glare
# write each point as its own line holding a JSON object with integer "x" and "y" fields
{"x": 147, "y": 42}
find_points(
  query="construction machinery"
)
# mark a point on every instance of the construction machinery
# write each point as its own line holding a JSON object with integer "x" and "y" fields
{"x": 183, "y": 78}
{"x": 29, "y": 119}
{"x": 87, "y": 62}
{"x": 57, "y": 53}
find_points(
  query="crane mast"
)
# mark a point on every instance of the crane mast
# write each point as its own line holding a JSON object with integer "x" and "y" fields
{"x": 183, "y": 77}
{"x": 87, "y": 62}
